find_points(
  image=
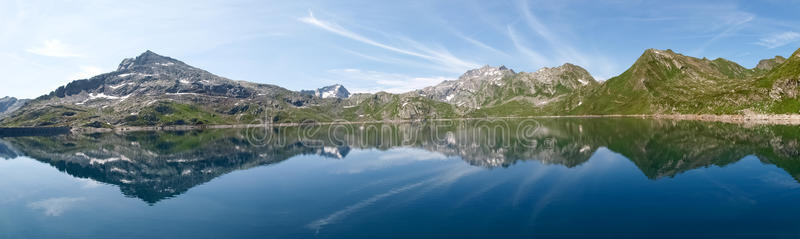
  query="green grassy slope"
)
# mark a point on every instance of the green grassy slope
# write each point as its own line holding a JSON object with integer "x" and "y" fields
{"x": 659, "y": 82}
{"x": 667, "y": 83}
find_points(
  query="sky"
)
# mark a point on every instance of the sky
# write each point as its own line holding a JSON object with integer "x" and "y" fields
{"x": 370, "y": 45}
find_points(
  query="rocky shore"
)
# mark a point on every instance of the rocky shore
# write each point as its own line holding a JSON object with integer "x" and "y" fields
{"x": 754, "y": 119}
{"x": 777, "y": 119}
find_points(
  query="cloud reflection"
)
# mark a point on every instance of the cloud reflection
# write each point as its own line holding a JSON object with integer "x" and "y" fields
{"x": 55, "y": 206}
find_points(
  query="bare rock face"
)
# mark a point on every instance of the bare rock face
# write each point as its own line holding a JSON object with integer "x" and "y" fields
{"x": 789, "y": 88}
{"x": 332, "y": 91}
{"x": 10, "y": 104}
{"x": 769, "y": 64}
{"x": 489, "y": 86}
{"x": 151, "y": 89}
{"x": 463, "y": 92}
{"x": 547, "y": 81}
{"x": 786, "y": 78}
{"x": 151, "y": 74}
{"x": 117, "y": 98}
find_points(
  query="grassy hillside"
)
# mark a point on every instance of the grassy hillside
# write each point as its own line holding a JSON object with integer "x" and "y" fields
{"x": 664, "y": 82}
{"x": 659, "y": 82}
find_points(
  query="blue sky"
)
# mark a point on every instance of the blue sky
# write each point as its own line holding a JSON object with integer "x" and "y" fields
{"x": 376, "y": 45}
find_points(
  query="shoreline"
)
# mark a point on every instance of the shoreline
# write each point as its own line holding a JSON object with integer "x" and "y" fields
{"x": 755, "y": 119}
{"x": 734, "y": 119}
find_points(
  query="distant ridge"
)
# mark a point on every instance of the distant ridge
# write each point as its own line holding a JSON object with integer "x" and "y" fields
{"x": 332, "y": 91}
{"x": 10, "y": 104}
{"x": 155, "y": 90}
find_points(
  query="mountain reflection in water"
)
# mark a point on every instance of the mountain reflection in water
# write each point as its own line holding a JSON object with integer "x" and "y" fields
{"x": 154, "y": 166}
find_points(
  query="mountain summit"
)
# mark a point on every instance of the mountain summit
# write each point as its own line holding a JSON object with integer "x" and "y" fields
{"x": 769, "y": 64}
{"x": 489, "y": 89}
{"x": 10, "y": 104}
{"x": 151, "y": 89}
{"x": 148, "y": 59}
{"x": 152, "y": 74}
{"x": 146, "y": 89}
{"x": 154, "y": 90}
{"x": 665, "y": 82}
{"x": 332, "y": 91}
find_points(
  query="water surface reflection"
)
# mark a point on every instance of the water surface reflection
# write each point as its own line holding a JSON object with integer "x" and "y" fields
{"x": 154, "y": 166}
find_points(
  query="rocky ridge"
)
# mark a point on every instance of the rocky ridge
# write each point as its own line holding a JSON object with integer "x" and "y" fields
{"x": 332, "y": 91}
{"x": 154, "y": 90}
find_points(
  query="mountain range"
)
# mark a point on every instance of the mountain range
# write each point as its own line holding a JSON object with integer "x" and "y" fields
{"x": 154, "y": 90}
{"x": 331, "y": 91}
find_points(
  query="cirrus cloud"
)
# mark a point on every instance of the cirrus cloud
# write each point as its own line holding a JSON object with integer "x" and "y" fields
{"x": 374, "y": 81}
{"x": 779, "y": 39}
{"x": 54, "y": 48}
{"x": 86, "y": 72}
{"x": 437, "y": 56}
{"x": 56, "y": 206}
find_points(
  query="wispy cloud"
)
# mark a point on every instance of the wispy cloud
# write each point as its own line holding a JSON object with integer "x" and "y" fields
{"x": 334, "y": 28}
{"x": 54, "y": 48}
{"x": 482, "y": 45}
{"x": 734, "y": 23}
{"x": 88, "y": 183}
{"x": 423, "y": 187}
{"x": 393, "y": 158}
{"x": 562, "y": 47}
{"x": 345, "y": 212}
{"x": 413, "y": 63}
{"x": 86, "y": 72}
{"x": 534, "y": 57}
{"x": 439, "y": 56}
{"x": 55, "y": 206}
{"x": 779, "y": 39}
{"x": 374, "y": 81}
{"x": 471, "y": 40}
{"x": 563, "y": 50}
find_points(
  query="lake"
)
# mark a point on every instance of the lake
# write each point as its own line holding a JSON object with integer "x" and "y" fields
{"x": 544, "y": 178}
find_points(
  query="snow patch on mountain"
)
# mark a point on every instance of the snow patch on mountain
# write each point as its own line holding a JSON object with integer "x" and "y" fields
{"x": 332, "y": 91}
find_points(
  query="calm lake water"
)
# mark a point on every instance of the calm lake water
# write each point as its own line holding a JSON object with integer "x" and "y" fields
{"x": 565, "y": 178}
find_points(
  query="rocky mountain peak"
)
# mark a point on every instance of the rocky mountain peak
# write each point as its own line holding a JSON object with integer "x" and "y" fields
{"x": 653, "y": 63}
{"x": 569, "y": 75}
{"x": 659, "y": 52}
{"x": 490, "y": 86}
{"x": 147, "y": 59}
{"x": 785, "y": 77}
{"x": 7, "y": 101}
{"x": 9, "y": 105}
{"x": 659, "y": 55}
{"x": 154, "y": 76}
{"x": 331, "y": 91}
{"x": 461, "y": 91}
{"x": 769, "y": 64}
{"x": 569, "y": 67}
{"x": 485, "y": 71}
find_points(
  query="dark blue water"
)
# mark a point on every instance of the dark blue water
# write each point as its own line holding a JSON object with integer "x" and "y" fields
{"x": 584, "y": 178}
